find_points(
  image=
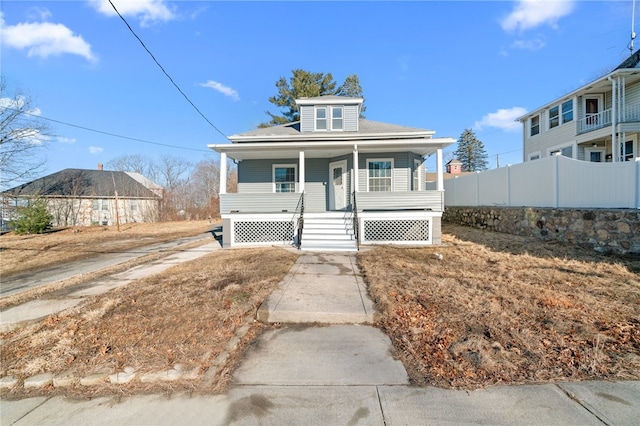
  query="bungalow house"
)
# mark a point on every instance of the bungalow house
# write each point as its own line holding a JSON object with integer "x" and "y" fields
{"x": 598, "y": 122}
{"x": 77, "y": 197}
{"x": 331, "y": 181}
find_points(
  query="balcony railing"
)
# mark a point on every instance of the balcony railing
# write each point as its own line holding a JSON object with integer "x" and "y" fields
{"x": 604, "y": 118}
{"x": 594, "y": 121}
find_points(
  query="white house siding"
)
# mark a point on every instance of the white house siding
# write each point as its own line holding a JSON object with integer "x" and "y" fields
{"x": 80, "y": 212}
{"x": 562, "y": 135}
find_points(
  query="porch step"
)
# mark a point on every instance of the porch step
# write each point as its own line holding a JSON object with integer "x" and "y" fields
{"x": 328, "y": 232}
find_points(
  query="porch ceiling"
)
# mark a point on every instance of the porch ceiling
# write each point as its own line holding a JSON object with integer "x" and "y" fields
{"x": 328, "y": 149}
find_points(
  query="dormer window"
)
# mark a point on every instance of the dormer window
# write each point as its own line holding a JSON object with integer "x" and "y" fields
{"x": 336, "y": 118}
{"x": 322, "y": 118}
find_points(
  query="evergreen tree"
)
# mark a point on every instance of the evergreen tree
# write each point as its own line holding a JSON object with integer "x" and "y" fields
{"x": 307, "y": 84}
{"x": 351, "y": 88}
{"x": 33, "y": 218}
{"x": 470, "y": 152}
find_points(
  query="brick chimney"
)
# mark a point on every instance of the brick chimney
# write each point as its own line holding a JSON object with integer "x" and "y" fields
{"x": 100, "y": 166}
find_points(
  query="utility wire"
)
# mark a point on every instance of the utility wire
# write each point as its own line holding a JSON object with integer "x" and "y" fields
{"x": 165, "y": 72}
{"x": 109, "y": 133}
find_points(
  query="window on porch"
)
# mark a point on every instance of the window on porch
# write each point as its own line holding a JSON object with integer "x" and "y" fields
{"x": 284, "y": 178}
{"x": 379, "y": 175}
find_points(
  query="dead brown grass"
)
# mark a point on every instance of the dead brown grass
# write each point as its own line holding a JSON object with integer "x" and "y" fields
{"x": 21, "y": 253}
{"x": 186, "y": 316}
{"x": 504, "y": 309}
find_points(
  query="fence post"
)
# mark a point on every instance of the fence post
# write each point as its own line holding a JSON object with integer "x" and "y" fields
{"x": 637, "y": 183}
{"x": 556, "y": 179}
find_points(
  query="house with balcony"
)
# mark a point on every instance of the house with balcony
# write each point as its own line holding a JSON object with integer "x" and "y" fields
{"x": 598, "y": 122}
{"x": 331, "y": 181}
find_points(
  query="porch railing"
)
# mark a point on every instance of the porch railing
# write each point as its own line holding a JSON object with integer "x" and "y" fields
{"x": 300, "y": 225}
{"x": 265, "y": 202}
{"x": 356, "y": 224}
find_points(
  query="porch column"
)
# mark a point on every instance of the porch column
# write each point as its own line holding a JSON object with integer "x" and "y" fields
{"x": 301, "y": 173}
{"x": 440, "y": 179}
{"x": 223, "y": 173}
{"x": 355, "y": 168}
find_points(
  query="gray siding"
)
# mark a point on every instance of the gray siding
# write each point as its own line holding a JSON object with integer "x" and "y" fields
{"x": 426, "y": 200}
{"x": 350, "y": 118}
{"x": 317, "y": 175}
{"x": 307, "y": 118}
{"x": 282, "y": 202}
{"x": 401, "y": 175}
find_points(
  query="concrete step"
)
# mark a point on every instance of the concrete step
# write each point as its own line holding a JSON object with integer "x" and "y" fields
{"x": 306, "y": 235}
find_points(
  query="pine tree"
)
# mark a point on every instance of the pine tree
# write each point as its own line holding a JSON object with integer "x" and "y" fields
{"x": 470, "y": 152}
{"x": 33, "y": 218}
{"x": 307, "y": 84}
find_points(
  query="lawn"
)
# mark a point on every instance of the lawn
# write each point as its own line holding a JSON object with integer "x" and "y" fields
{"x": 489, "y": 308}
{"x": 482, "y": 309}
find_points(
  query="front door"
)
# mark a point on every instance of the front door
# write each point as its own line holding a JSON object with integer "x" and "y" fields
{"x": 338, "y": 185}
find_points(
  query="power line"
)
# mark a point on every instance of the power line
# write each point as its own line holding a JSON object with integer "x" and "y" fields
{"x": 165, "y": 72}
{"x": 109, "y": 133}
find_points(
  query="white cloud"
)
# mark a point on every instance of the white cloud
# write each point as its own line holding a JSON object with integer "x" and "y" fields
{"x": 147, "y": 11}
{"x": 62, "y": 139}
{"x": 95, "y": 149}
{"x": 44, "y": 39}
{"x": 503, "y": 119}
{"x": 227, "y": 91}
{"x": 529, "y": 14}
{"x": 533, "y": 45}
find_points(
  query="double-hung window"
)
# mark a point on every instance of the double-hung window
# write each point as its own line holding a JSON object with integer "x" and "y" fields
{"x": 99, "y": 204}
{"x": 535, "y": 125}
{"x": 284, "y": 178}
{"x": 567, "y": 111}
{"x": 321, "y": 118}
{"x": 336, "y": 118}
{"x": 329, "y": 118}
{"x": 554, "y": 117}
{"x": 379, "y": 175}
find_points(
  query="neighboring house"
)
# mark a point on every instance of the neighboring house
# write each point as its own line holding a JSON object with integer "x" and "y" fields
{"x": 598, "y": 122}
{"x": 309, "y": 182}
{"x": 77, "y": 197}
{"x": 452, "y": 169}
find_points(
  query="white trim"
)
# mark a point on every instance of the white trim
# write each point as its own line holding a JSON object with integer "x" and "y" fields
{"x": 549, "y": 117}
{"x": 601, "y": 149}
{"x": 634, "y": 145}
{"x": 371, "y": 160}
{"x": 332, "y": 165}
{"x": 572, "y": 144}
{"x": 533, "y": 154}
{"x": 273, "y": 175}
{"x": 417, "y": 173}
{"x": 530, "y": 125}
{"x": 315, "y": 119}
{"x": 600, "y": 99}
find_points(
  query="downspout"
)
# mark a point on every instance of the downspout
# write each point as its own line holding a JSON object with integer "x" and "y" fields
{"x": 614, "y": 140}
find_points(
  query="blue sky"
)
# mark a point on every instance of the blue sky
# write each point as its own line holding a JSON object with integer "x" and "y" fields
{"x": 439, "y": 65}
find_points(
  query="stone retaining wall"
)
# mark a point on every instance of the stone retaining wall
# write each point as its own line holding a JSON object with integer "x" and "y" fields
{"x": 606, "y": 231}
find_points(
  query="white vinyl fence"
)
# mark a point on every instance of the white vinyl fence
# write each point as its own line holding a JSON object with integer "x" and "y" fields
{"x": 556, "y": 181}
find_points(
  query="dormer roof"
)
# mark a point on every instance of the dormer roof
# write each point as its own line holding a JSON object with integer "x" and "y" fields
{"x": 329, "y": 100}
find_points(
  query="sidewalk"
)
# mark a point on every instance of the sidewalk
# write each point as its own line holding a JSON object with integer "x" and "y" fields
{"x": 326, "y": 365}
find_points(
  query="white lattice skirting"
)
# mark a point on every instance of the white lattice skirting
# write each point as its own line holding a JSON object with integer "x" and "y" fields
{"x": 396, "y": 228}
{"x": 255, "y": 230}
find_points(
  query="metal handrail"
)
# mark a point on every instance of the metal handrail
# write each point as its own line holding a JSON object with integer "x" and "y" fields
{"x": 300, "y": 213}
{"x": 356, "y": 227}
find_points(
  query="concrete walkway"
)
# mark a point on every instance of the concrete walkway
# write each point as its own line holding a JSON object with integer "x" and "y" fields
{"x": 326, "y": 365}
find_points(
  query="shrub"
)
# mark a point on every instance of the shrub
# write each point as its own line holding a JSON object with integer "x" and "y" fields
{"x": 33, "y": 218}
